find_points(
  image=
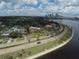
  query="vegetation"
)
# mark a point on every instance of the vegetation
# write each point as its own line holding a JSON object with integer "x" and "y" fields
{"x": 8, "y": 57}
{"x": 15, "y": 35}
{"x": 36, "y": 49}
{"x": 23, "y": 21}
{"x": 26, "y": 23}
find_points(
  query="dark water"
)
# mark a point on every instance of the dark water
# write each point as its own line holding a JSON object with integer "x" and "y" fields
{"x": 69, "y": 51}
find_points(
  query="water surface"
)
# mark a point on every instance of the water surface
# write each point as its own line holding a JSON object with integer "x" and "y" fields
{"x": 69, "y": 51}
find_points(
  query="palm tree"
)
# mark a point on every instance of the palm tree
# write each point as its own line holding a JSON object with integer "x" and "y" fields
{"x": 38, "y": 35}
{"x": 27, "y": 32}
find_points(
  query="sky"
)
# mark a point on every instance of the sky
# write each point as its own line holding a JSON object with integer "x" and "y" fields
{"x": 39, "y": 7}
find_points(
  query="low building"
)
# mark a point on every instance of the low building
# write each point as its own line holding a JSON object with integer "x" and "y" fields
{"x": 17, "y": 29}
{"x": 48, "y": 26}
{"x": 5, "y": 34}
{"x": 32, "y": 29}
{"x": 13, "y": 29}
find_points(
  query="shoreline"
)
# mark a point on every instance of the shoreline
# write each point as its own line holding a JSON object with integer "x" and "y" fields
{"x": 52, "y": 49}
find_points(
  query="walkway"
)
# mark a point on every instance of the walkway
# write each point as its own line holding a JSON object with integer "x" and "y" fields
{"x": 16, "y": 48}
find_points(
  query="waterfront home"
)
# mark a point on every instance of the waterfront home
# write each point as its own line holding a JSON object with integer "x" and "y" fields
{"x": 48, "y": 26}
{"x": 32, "y": 29}
{"x": 17, "y": 29}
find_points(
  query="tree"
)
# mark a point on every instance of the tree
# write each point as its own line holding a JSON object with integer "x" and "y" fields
{"x": 19, "y": 55}
{"x": 28, "y": 32}
{"x": 0, "y": 36}
{"x": 15, "y": 34}
{"x": 8, "y": 57}
{"x": 38, "y": 35}
{"x": 27, "y": 28}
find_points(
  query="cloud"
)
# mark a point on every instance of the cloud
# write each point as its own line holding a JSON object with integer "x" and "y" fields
{"x": 67, "y": 2}
{"x": 2, "y": 5}
{"x": 67, "y": 7}
{"x": 31, "y": 2}
{"x": 44, "y": 1}
{"x": 38, "y": 7}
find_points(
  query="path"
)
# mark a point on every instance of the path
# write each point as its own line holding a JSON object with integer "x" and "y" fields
{"x": 16, "y": 48}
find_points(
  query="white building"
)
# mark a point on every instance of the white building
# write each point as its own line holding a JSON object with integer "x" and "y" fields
{"x": 32, "y": 29}
{"x": 17, "y": 29}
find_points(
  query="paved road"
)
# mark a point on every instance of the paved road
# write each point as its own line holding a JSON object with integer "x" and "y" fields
{"x": 16, "y": 48}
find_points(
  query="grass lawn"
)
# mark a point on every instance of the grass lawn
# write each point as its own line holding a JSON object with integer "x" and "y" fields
{"x": 36, "y": 49}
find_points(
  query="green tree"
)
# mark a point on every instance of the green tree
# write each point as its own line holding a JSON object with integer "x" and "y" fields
{"x": 38, "y": 35}
{"x": 8, "y": 57}
{"x": 15, "y": 34}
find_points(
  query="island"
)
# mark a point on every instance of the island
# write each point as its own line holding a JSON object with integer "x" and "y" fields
{"x": 23, "y": 37}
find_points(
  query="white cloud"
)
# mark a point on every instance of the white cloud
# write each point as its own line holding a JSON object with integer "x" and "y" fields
{"x": 2, "y": 5}
{"x": 27, "y": 7}
{"x": 30, "y": 2}
{"x": 69, "y": 7}
{"x": 44, "y": 1}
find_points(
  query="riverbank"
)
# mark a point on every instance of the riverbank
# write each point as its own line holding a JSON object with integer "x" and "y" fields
{"x": 52, "y": 49}
{"x": 36, "y": 50}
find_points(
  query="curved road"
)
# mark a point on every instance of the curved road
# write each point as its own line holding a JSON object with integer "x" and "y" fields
{"x": 16, "y": 48}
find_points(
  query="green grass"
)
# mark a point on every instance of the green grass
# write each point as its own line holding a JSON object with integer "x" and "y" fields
{"x": 40, "y": 48}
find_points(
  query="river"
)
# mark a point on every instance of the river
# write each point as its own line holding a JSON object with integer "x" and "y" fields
{"x": 69, "y": 51}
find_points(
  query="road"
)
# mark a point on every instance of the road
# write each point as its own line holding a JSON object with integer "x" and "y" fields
{"x": 16, "y": 48}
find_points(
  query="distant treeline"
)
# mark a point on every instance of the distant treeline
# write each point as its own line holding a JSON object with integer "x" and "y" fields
{"x": 28, "y": 20}
{"x": 23, "y": 21}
